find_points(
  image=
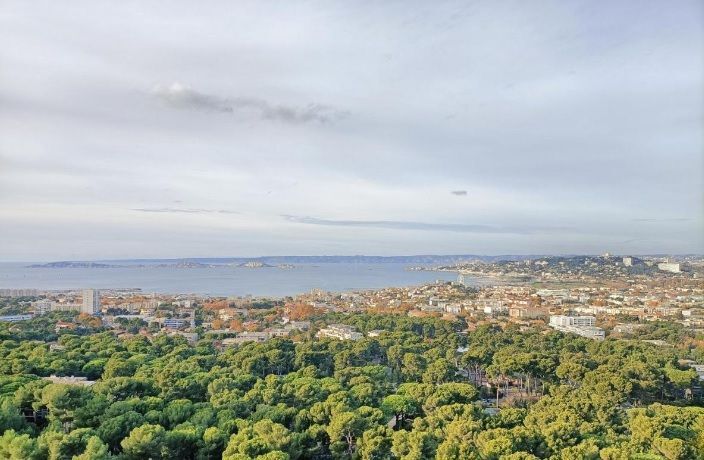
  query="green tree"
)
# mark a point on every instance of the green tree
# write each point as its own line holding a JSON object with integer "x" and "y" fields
{"x": 95, "y": 450}
{"x": 344, "y": 430}
{"x": 14, "y": 446}
{"x": 146, "y": 441}
{"x": 400, "y": 407}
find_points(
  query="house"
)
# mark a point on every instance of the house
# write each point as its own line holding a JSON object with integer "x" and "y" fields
{"x": 527, "y": 312}
{"x": 62, "y": 325}
{"x": 340, "y": 332}
{"x": 70, "y": 380}
{"x": 244, "y": 337}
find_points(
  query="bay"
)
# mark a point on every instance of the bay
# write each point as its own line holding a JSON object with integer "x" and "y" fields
{"x": 223, "y": 280}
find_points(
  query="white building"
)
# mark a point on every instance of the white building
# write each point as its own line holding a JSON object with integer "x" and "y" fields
{"x": 563, "y": 321}
{"x": 70, "y": 380}
{"x": 300, "y": 325}
{"x": 580, "y": 325}
{"x": 244, "y": 337}
{"x": 42, "y": 306}
{"x": 493, "y": 310}
{"x": 590, "y": 332}
{"x": 562, "y": 293}
{"x": 340, "y": 332}
{"x": 278, "y": 332}
{"x": 174, "y": 323}
{"x": 669, "y": 267}
{"x": 91, "y": 301}
{"x": 628, "y": 261}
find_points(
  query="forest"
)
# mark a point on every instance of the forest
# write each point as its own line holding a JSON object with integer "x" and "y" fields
{"x": 420, "y": 390}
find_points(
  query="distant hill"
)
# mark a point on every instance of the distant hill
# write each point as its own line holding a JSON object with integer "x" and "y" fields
{"x": 69, "y": 264}
{"x": 275, "y": 260}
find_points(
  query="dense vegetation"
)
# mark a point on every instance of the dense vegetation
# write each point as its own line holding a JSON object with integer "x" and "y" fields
{"x": 418, "y": 391}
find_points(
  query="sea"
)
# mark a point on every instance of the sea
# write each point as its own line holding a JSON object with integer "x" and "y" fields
{"x": 224, "y": 280}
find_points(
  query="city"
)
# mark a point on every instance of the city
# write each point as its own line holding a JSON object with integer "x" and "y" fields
{"x": 612, "y": 300}
{"x": 568, "y": 294}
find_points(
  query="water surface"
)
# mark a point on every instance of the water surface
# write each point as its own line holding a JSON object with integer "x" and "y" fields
{"x": 222, "y": 280}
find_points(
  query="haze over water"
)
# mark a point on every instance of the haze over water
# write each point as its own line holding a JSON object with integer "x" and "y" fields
{"x": 221, "y": 280}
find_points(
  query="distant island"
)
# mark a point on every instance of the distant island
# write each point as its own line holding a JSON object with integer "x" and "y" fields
{"x": 74, "y": 265}
{"x": 288, "y": 261}
{"x": 254, "y": 264}
{"x": 68, "y": 264}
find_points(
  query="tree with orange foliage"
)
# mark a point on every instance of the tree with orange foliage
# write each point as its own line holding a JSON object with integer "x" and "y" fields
{"x": 89, "y": 320}
{"x": 236, "y": 325}
{"x": 216, "y": 305}
{"x": 250, "y": 326}
{"x": 301, "y": 311}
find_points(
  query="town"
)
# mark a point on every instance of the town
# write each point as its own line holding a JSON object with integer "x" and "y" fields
{"x": 359, "y": 373}
{"x": 591, "y": 296}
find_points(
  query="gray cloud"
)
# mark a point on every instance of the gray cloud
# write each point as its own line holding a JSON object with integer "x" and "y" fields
{"x": 425, "y": 226}
{"x": 459, "y": 192}
{"x": 183, "y": 97}
{"x": 186, "y": 210}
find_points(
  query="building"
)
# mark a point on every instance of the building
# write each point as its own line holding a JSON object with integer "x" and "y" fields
{"x": 91, "y": 301}
{"x": 57, "y": 306}
{"x": 64, "y": 326}
{"x": 527, "y": 313}
{"x": 300, "y": 325}
{"x": 174, "y": 323}
{"x": 699, "y": 369}
{"x": 244, "y": 337}
{"x": 669, "y": 267}
{"x": 278, "y": 332}
{"x": 494, "y": 310}
{"x": 562, "y": 293}
{"x": 70, "y": 380}
{"x": 563, "y": 321}
{"x": 42, "y": 306}
{"x": 579, "y": 325}
{"x": 340, "y": 332}
{"x": 589, "y": 332}
{"x": 627, "y": 261}
{"x": 628, "y": 328}
{"x": 18, "y": 292}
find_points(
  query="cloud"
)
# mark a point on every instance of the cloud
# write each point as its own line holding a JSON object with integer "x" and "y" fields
{"x": 459, "y": 192}
{"x": 521, "y": 105}
{"x": 425, "y": 226}
{"x": 186, "y": 210}
{"x": 179, "y": 96}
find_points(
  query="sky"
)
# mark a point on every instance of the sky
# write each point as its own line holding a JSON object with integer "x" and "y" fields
{"x": 176, "y": 129}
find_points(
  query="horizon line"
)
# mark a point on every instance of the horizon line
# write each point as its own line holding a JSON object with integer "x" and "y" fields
{"x": 575, "y": 254}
